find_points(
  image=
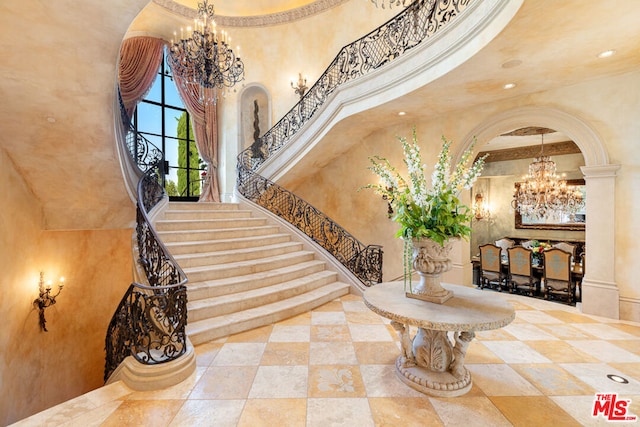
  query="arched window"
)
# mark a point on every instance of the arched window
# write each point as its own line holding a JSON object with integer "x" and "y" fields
{"x": 162, "y": 118}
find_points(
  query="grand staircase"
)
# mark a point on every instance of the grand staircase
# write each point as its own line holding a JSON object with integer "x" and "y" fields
{"x": 243, "y": 273}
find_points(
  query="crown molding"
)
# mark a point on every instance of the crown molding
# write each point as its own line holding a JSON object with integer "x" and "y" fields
{"x": 301, "y": 12}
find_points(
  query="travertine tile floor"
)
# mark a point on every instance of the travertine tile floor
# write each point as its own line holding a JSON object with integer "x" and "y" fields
{"x": 334, "y": 366}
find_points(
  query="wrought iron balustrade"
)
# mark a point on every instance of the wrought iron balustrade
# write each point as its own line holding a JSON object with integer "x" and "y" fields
{"x": 363, "y": 261}
{"x": 150, "y": 321}
{"x": 408, "y": 29}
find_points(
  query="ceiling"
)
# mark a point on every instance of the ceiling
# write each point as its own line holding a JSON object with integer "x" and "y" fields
{"x": 57, "y": 76}
{"x": 248, "y": 7}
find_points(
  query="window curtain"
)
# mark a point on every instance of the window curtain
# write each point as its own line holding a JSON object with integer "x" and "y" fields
{"x": 140, "y": 59}
{"x": 205, "y": 126}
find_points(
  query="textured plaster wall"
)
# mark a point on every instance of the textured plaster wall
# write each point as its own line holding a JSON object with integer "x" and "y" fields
{"x": 609, "y": 105}
{"x": 41, "y": 369}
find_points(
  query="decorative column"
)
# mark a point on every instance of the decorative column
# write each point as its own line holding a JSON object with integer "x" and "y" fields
{"x": 600, "y": 294}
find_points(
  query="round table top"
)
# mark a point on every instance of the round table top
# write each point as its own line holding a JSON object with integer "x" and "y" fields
{"x": 470, "y": 309}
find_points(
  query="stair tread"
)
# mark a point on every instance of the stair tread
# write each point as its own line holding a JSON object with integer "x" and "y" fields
{"x": 239, "y": 251}
{"x": 262, "y": 291}
{"x": 257, "y": 227}
{"x": 244, "y": 263}
{"x": 285, "y": 304}
{"x": 222, "y": 241}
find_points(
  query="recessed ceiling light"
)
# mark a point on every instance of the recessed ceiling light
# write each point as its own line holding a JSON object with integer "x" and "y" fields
{"x": 509, "y": 86}
{"x": 618, "y": 379}
{"x": 402, "y": 113}
{"x": 606, "y": 53}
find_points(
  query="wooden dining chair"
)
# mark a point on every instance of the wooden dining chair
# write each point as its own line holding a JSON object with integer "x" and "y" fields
{"x": 567, "y": 247}
{"x": 521, "y": 270}
{"x": 491, "y": 274}
{"x": 505, "y": 244}
{"x": 557, "y": 274}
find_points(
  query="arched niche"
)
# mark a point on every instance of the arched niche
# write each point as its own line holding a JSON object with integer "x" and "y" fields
{"x": 600, "y": 293}
{"x": 254, "y": 114}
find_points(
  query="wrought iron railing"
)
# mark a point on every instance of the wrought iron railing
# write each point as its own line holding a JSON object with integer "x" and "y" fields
{"x": 408, "y": 29}
{"x": 149, "y": 323}
{"x": 363, "y": 261}
{"x": 405, "y": 31}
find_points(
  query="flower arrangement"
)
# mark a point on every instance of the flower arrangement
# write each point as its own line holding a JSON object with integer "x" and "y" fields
{"x": 436, "y": 212}
{"x": 539, "y": 247}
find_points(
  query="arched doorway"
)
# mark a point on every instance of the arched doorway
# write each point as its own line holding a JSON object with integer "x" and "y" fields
{"x": 600, "y": 294}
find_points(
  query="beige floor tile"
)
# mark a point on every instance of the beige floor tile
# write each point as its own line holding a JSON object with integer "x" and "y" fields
{"x": 494, "y": 334}
{"x": 219, "y": 413}
{"x": 606, "y": 351}
{"x": 225, "y": 382}
{"x": 469, "y": 411}
{"x": 403, "y": 411}
{"x": 376, "y": 353}
{"x": 630, "y": 329}
{"x": 631, "y": 370}
{"x": 280, "y": 382}
{"x": 239, "y": 354}
{"x": 343, "y": 381}
{"x": 274, "y": 412}
{"x": 477, "y": 352}
{"x": 286, "y": 353}
{"x": 206, "y": 352}
{"x": 328, "y": 318}
{"x": 382, "y": 381}
{"x": 332, "y": 353}
{"x": 301, "y": 319}
{"x": 351, "y": 297}
{"x": 351, "y": 412}
{"x": 294, "y": 333}
{"x": 254, "y": 335}
{"x": 518, "y": 304}
{"x": 363, "y": 317}
{"x": 501, "y": 380}
{"x": 632, "y": 346}
{"x": 569, "y": 317}
{"x": 350, "y": 306}
{"x": 552, "y": 380}
{"x": 566, "y": 332}
{"x": 330, "y": 333}
{"x": 515, "y": 352}
{"x": 533, "y": 411}
{"x": 561, "y": 352}
{"x": 370, "y": 333}
{"x": 536, "y": 317}
{"x": 143, "y": 413}
{"x": 330, "y": 306}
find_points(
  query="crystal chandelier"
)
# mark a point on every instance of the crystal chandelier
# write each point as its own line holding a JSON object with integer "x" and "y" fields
{"x": 542, "y": 194}
{"x": 203, "y": 56}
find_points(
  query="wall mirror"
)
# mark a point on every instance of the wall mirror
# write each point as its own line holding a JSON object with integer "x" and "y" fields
{"x": 556, "y": 222}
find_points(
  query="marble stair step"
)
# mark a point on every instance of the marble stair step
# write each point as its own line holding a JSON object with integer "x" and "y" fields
{"x": 207, "y": 206}
{"x": 229, "y": 285}
{"x": 195, "y": 247}
{"x": 209, "y": 329}
{"x": 236, "y": 255}
{"x": 240, "y": 268}
{"x": 226, "y": 233}
{"x": 184, "y": 215}
{"x": 225, "y": 304}
{"x": 208, "y": 224}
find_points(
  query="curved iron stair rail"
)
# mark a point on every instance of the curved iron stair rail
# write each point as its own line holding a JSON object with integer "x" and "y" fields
{"x": 150, "y": 321}
{"x": 419, "y": 21}
{"x": 409, "y": 28}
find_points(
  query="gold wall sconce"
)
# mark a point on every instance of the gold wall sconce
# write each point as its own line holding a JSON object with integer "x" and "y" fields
{"x": 301, "y": 87}
{"x": 480, "y": 208}
{"x": 45, "y": 299}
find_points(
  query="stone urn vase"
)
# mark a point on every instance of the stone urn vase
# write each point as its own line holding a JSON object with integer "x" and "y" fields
{"x": 430, "y": 260}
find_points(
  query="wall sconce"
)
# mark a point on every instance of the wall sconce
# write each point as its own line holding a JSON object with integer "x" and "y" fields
{"x": 480, "y": 208}
{"x": 45, "y": 299}
{"x": 301, "y": 87}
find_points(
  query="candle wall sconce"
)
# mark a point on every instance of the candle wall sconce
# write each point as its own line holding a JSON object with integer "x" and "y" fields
{"x": 301, "y": 87}
{"x": 45, "y": 299}
{"x": 480, "y": 208}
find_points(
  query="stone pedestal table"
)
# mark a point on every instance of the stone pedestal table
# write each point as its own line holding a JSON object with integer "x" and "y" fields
{"x": 431, "y": 362}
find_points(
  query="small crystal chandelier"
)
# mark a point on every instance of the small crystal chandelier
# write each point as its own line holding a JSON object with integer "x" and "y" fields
{"x": 391, "y": 3}
{"x": 203, "y": 56}
{"x": 543, "y": 194}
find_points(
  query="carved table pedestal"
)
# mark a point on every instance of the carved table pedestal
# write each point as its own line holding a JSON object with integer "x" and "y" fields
{"x": 432, "y": 362}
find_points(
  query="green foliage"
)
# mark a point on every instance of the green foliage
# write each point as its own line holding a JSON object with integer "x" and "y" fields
{"x": 435, "y": 212}
{"x": 171, "y": 188}
{"x": 188, "y": 150}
